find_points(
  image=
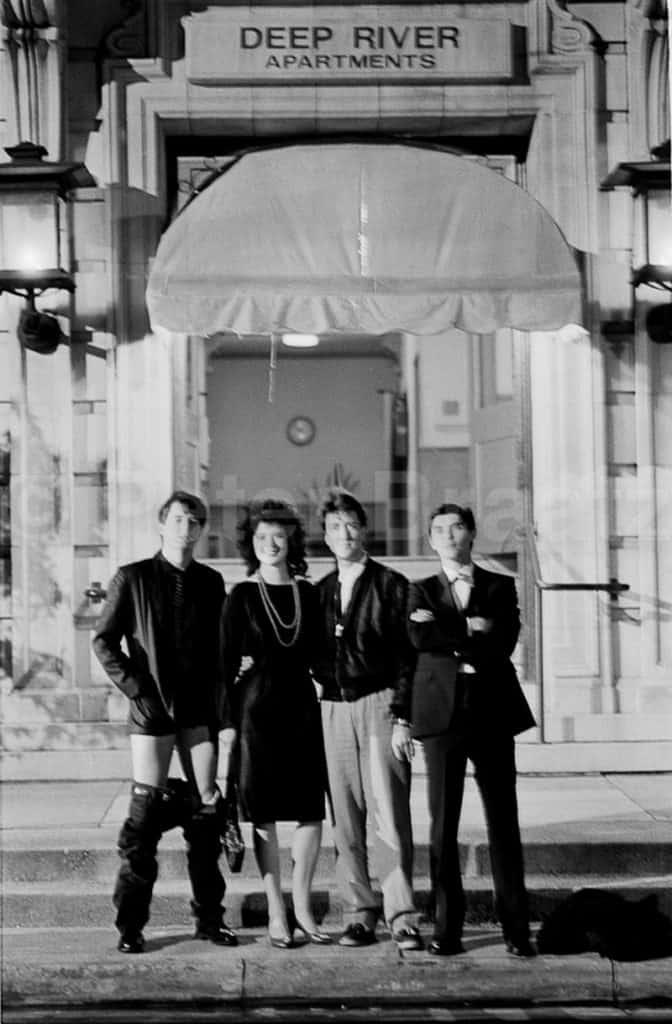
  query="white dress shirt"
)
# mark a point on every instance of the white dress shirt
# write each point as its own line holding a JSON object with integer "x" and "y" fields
{"x": 348, "y": 574}
{"x": 461, "y": 579}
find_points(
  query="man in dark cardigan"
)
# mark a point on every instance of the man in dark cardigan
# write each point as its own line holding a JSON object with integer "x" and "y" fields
{"x": 363, "y": 667}
{"x": 167, "y": 611}
{"x": 467, "y": 702}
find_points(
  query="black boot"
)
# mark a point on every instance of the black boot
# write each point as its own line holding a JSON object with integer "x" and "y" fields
{"x": 137, "y": 844}
{"x": 207, "y": 882}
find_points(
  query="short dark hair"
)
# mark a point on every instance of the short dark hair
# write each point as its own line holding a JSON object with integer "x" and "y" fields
{"x": 272, "y": 510}
{"x": 189, "y": 501}
{"x": 465, "y": 514}
{"x": 342, "y": 501}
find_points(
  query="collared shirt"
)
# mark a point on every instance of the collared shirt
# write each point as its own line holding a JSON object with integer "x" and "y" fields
{"x": 178, "y": 601}
{"x": 461, "y": 579}
{"x": 348, "y": 574}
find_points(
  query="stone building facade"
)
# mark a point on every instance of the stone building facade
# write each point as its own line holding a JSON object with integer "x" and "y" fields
{"x": 152, "y": 96}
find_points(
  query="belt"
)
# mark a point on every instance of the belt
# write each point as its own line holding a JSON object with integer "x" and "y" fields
{"x": 352, "y": 693}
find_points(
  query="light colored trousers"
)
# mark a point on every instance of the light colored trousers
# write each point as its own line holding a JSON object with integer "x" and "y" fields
{"x": 368, "y": 785}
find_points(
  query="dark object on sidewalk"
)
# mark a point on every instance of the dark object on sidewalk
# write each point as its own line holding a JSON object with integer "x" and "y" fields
{"x": 604, "y": 922}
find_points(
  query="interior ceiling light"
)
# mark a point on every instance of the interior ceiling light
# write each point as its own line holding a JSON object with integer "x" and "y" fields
{"x": 300, "y": 340}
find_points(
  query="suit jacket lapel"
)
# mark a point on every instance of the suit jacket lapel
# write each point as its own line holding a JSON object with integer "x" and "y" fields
{"x": 477, "y": 590}
{"x": 355, "y": 596}
{"x": 445, "y": 593}
{"x": 157, "y": 604}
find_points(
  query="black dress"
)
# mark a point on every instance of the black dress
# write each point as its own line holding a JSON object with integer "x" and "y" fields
{"x": 281, "y": 765}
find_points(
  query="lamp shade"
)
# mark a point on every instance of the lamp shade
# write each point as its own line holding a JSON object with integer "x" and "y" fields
{"x": 30, "y": 231}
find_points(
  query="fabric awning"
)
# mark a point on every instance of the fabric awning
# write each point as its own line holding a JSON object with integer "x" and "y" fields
{"x": 356, "y": 237}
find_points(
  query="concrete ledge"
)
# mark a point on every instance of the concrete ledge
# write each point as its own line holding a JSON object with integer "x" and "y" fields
{"x": 532, "y": 759}
{"x": 81, "y": 968}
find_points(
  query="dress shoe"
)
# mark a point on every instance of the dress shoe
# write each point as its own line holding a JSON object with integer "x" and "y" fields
{"x": 407, "y": 938}
{"x": 445, "y": 947}
{"x": 220, "y": 934}
{"x": 522, "y": 948}
{"x": 316, "y": 936}
{"x": 131, "y": 942}
{"x": 357, "y": 935}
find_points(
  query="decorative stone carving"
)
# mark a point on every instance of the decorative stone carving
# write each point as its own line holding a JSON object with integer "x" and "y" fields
{"x": 129, "y": 38}
{"x": 569, "y": 34}
{"x": 33, "y": 42}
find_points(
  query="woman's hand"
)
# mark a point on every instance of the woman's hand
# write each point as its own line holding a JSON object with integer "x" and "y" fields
{"x": 227, "y": 740}
{"x": 402, "y": 745}
{"x": 422, "y": 615}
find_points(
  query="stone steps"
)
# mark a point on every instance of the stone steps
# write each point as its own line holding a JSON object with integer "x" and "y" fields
{"x": 83, "y": 903}
{"x": 92, "y": 858}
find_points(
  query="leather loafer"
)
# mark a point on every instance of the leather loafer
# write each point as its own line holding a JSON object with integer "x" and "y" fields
{"x": 407, "y": 938}
{"x": 357, "y": 935}
{"x": 445, "y": 947}
{"x": 131, "y": 942}
{"x": 522, "y": 948}
{"x": 221, "y": 935}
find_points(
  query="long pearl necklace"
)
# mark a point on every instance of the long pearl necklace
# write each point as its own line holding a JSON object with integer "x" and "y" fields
{"x": 272, "y": 613}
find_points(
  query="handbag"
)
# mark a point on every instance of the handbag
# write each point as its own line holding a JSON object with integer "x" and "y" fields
{"x": 229, "y": 828}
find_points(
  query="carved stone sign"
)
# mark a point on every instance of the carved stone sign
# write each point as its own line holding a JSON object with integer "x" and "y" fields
{"x": 340, "y": 44}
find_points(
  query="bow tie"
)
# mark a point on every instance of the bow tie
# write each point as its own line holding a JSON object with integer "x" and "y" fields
{"x": 466, "y": 574}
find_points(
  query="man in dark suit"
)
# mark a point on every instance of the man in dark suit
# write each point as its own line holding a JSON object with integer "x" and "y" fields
{"x": 167, "y": 611}
{"x": 466, "y": 702}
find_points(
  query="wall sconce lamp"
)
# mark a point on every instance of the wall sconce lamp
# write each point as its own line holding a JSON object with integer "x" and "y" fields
{"x": 33, "y": 235}
{"x": 649, "y": 182}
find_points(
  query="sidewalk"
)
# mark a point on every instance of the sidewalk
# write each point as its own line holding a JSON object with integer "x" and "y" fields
{"x": 59, "y": 943}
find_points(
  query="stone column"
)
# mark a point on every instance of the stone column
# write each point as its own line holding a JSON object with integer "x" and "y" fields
{"x": 32, "y": 37}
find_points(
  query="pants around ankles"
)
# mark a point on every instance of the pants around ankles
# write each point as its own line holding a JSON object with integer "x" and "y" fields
{"x": 368, "y": 784}
{"x": 153, "y": 811}
{"x": 493, "y": 758}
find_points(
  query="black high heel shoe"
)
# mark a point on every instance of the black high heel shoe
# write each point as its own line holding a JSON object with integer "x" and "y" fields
{"x": 318, "y": 937}
{"x": 285, "y": 941}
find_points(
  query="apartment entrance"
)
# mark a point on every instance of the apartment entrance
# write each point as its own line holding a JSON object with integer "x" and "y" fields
{"x": 410, "y": 268}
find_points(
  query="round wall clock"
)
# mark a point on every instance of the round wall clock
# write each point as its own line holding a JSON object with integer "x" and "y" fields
{"x": 301, "y": 430}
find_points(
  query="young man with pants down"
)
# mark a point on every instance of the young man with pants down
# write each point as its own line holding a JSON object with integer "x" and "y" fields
{"x": 167, "y": 609}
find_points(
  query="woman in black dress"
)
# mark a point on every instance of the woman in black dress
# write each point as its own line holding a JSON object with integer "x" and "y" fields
{"x": 269, "y": 627}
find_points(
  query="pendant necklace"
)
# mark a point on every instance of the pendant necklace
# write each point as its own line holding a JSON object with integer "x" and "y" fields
{"x": 272, "y": 613}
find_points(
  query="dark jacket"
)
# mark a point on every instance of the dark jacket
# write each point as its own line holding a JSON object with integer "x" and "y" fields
{"x": 373, "y": 653}
{"x": 444, "y": 644}
{"x": 135, "y": 611}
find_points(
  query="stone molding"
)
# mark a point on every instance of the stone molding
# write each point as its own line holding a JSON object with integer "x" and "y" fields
{"x": 569, "y": 34}
{"x": 33, "y": 42}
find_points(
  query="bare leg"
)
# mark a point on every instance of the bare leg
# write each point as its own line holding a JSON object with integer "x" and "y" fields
{"x": 305, "y": 851}
{"x": 198, "y": 757}
{"x": 267, "y": 852}
{"x": 150, "y": 756}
